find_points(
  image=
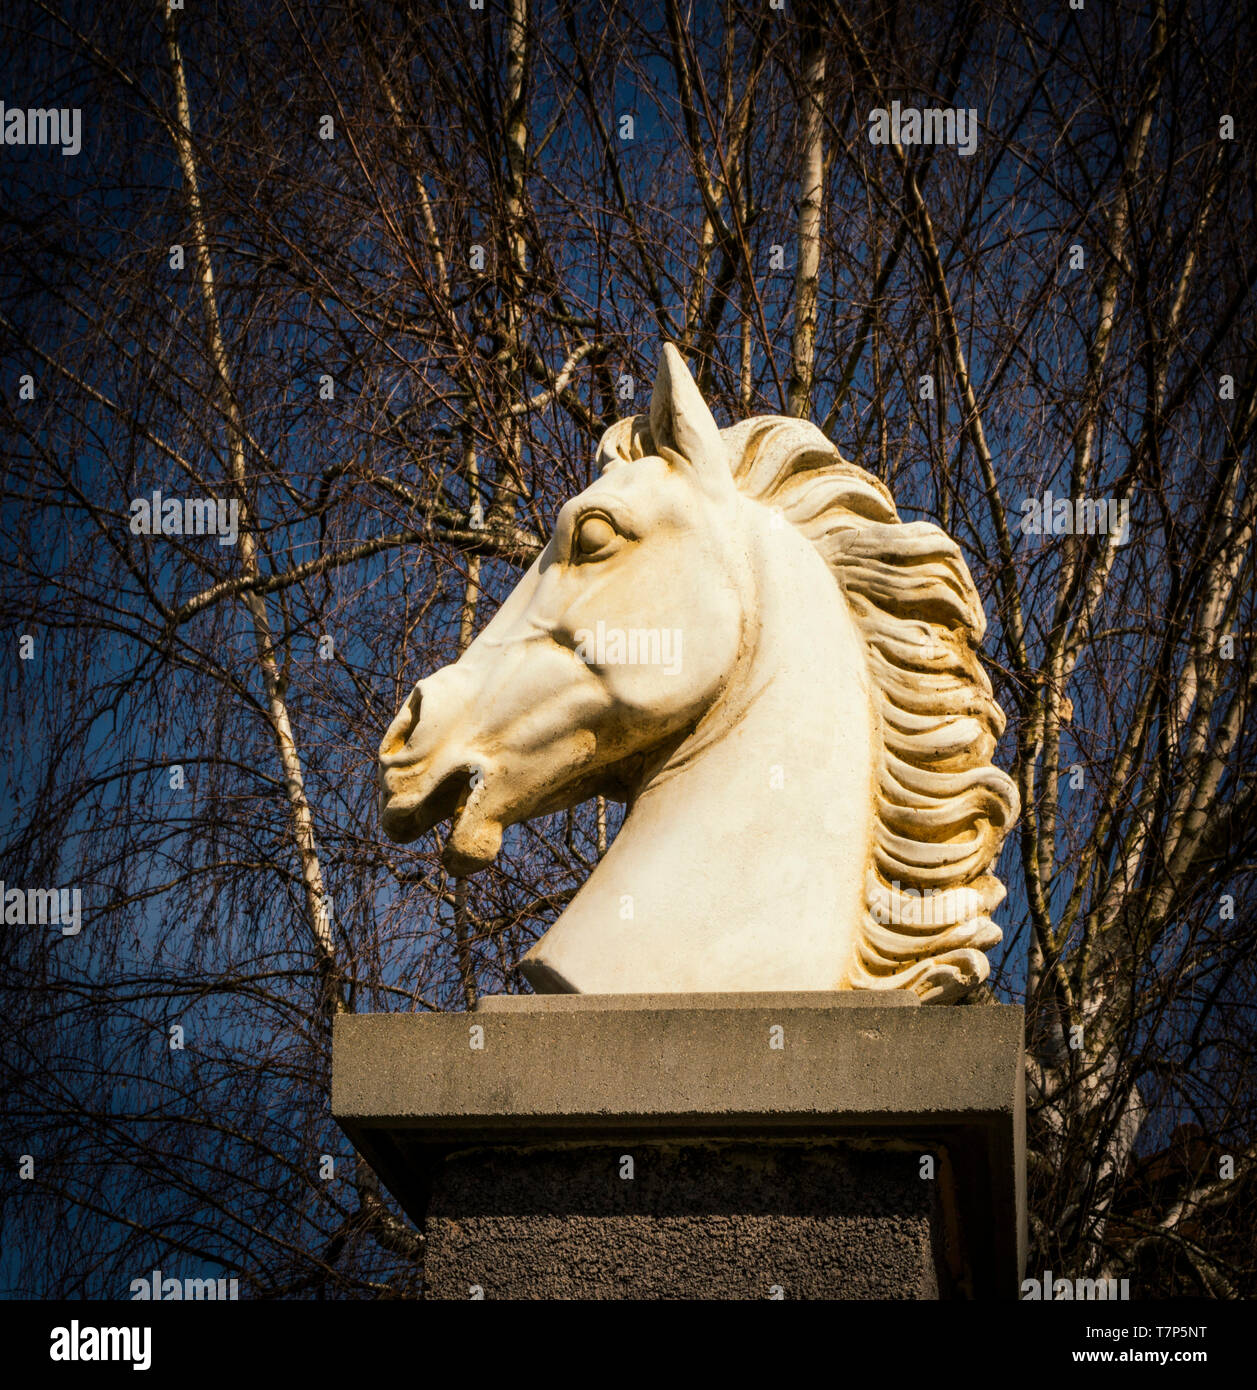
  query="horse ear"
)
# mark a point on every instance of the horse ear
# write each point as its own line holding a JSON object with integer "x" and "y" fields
{"x": 680, "y": 420}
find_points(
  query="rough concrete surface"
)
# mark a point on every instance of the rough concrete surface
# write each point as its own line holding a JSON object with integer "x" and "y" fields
{"x": 664, "y": 1061}
{"x": 695, "y": 1221}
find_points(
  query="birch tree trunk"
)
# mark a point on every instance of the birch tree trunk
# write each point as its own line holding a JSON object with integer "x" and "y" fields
{"x": 317, "y": 901}
{"x": 811, "y": 201}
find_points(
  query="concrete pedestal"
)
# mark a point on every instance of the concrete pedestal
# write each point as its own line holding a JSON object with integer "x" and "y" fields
{"x": 698, "y": 1146}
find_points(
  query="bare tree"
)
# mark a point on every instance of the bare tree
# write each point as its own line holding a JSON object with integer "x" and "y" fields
{"x": 380, "y": 276}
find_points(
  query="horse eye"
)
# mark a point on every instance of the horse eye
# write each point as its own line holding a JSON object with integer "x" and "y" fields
{"x": 594, "y": 534}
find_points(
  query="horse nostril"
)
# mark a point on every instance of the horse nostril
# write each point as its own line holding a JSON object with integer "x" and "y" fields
{"x": 404, "y": 725}
{"x": 413, "y": 705}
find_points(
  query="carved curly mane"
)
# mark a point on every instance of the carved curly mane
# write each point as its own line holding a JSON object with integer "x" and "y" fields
{"x": 941, "y": 807}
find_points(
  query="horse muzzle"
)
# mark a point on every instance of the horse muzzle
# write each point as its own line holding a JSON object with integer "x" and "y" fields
{"x": 424, "y": 780}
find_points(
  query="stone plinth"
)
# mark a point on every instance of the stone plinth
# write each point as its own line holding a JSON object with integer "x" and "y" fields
{"x": 698, "y": 1146}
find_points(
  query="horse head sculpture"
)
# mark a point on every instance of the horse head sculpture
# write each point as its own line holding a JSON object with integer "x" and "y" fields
{"x": 733, "y": 632}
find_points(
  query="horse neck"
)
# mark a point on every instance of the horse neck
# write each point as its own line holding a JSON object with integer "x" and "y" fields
{"x": 741, "y": 862}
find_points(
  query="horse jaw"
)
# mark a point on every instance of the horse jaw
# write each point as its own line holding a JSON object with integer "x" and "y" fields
{"x": 741, "y": 863}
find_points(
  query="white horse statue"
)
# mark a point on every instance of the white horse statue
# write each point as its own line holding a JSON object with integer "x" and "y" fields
{"x": 732, "y": 632}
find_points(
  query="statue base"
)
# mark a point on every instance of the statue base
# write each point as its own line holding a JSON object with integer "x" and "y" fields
{"x": 817, "y": 1145}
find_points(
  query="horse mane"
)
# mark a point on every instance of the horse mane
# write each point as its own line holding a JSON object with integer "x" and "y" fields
{"x": 941, "y": 807}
